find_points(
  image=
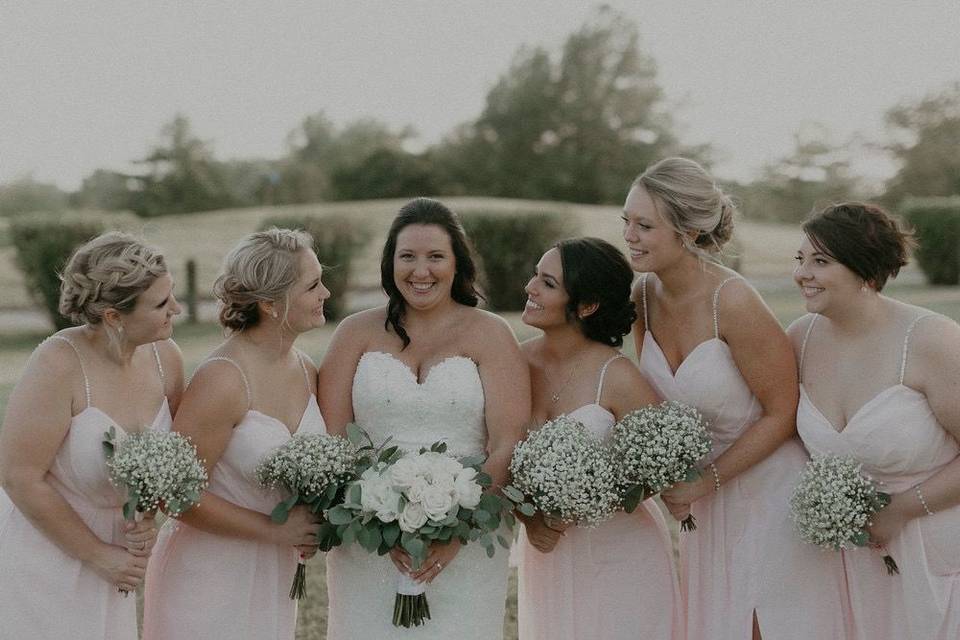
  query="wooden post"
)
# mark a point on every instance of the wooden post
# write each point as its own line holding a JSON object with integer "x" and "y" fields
{"x": 191, "y": 291}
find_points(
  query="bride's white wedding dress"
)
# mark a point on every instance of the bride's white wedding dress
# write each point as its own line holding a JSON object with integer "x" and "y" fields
{"x": 467, "y": 599}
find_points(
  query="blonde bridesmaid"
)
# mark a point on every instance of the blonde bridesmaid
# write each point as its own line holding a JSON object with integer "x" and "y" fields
{"x": 224, "y": 569}
{"x": 67, "y": 557}
{"x": 880, "y": 381}
{"x": 704, "y": 337}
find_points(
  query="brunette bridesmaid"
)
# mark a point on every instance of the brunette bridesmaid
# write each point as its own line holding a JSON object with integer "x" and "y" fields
{"x": 880, "y": 381}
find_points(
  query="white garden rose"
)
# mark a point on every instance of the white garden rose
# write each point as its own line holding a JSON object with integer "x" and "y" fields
{"x": 377, "y": 495}
{"x": 437, "y": 502}
{"x": 406, "y": 471}
{"x": 415, "y": 491}
{"x": 440, "y": 462}
{"x": 412, "y": 518}
{"x": 468, "y": 492}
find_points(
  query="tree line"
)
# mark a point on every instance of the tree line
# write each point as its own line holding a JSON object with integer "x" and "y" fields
{"x": 577, "y": 127}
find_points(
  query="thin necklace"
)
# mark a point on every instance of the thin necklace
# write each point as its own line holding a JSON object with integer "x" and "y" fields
{"x": 555, "y": 396}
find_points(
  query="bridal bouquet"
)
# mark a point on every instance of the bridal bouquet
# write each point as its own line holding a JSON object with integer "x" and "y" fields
{"x": 410, "y": 500}
{"x": 313, "y": 469}
{"x": 656, "y": 447}
{"x": 566, "y": 473}
{"x": 833, "y": 502}
{"x": 159, "y": 470}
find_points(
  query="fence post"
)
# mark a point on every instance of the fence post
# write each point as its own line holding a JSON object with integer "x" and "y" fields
{"x": 191, "y": 291}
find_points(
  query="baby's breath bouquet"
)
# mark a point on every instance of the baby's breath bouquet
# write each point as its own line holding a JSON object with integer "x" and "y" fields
{"x": 312, "y": 469}
{"x": 412, "y": 499}
{"x": 654, "y": 448}
{"x": 566, "y": 473}
{"x": 159, "y": 470}
{"x": 833, "y": 502}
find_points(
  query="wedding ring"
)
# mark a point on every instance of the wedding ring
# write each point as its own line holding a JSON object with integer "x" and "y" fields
{"x": 439, "y": 566}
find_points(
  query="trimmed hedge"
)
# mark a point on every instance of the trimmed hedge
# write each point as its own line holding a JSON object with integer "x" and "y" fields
{"x": 509, "y": 245}
{"x": 44, "y": 244}
{"x": 937, "y": 225}
{"x": 336, "y": 241}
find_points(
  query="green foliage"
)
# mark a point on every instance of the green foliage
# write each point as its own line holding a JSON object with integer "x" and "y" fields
{"x": 43, "y": 245}
{"x": 928, "y": 140}
{"x": 27, "y": 196}
{"x": 336, "y": 241}
{"x": 937, "y": 225}
{"x": 509, "y": 247}
{"x": 579, "y": 129}
{"x": 183, "y": 176}
{"x": 385, "y": 173}
{"x": 815, "y": 174}
{"x": 104, "y": 190}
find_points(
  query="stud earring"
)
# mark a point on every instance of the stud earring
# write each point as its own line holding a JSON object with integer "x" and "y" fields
{"x": 120, "y": 330}
{"x": 273, "y": 314}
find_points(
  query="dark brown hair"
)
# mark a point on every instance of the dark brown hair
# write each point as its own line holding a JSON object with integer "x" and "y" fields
{"x": 862, "y": 237}
{"x": 429, "y": 212}
{"x": 596, "y": 272}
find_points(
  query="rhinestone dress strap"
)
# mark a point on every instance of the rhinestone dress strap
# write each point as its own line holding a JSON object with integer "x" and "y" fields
{"x": 803, "y": 346}
{"x": 83, "y": 371}
{"x": 306, "y": 374}
{"x": 156, "y": 354}
{"x": 246, "y": 384}
{"x": 603, "y": 372}
{"x": 643, "y": 297}
{"x": 716, "y": 306}
{"x": 906, "y": 343}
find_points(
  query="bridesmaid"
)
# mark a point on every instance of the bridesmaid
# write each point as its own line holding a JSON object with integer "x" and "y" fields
{"x": 880, "y": 382}
{"x": 705, "y": 338}
{"x": 224, "y": 569}
{"x": 67, "y": 556}
{"x": 583, "y": 584}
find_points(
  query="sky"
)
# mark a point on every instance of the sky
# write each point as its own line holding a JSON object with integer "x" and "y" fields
{"x": 89, "y": 85}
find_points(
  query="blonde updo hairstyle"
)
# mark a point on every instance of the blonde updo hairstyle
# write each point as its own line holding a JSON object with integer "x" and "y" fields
{"x": 262, "y": 268}
{"x": 108, "y": 272}
{"x": 691, "y": 203}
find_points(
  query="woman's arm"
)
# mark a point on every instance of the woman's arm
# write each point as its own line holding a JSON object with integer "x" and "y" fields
{"x": 764, "y": 356}
{"x": 213, "y": 404}
{"x": 933, "y": 369}
{"x": 172, "y": 360}
{"x": 335, "y": 378}
{"x": 506, "y": 388}
{"x": 37, "y": 421}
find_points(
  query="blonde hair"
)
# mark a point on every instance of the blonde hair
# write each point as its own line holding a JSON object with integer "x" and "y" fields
{"x": 262, "y": 268}
{"x": 691, "y": 203}
{"x": 108, "y": 272}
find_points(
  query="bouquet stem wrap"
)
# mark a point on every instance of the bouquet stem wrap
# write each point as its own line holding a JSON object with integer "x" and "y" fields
{"x": 410, "y": 608}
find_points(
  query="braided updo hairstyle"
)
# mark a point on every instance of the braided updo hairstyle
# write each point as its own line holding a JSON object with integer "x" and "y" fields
{"x": 262, "y": 268}
{"x": 691, "y": 203}
{"x": 108, "y": 272}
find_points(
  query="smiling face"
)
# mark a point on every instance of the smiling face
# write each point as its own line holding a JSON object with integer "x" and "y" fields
{"x": 825, "y": 283}
{"x": 653, "y": 244}
{"x": 546, "y": 297}
{"x": 306, "y": 295}
{"x": 424, "y": 265}
{"x": 151, "y": 318}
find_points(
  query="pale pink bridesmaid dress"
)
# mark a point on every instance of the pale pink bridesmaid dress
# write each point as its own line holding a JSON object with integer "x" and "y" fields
{"x": 202, "y": 585}
{"x": 900, "y": 443}
{"x": 744, "y": 556}
{"x": 45, "y": 593}
{"x": 614, "y": 582}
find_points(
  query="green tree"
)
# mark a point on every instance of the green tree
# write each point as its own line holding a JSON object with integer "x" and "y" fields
{"x": 385, "y": 173}
{"x": 927, "y": 146}
{"x": 102, "y": 189}
{"x": 183, "y": 176}
{"x": 815, "y": 173}
{"x": 580, "y": 129}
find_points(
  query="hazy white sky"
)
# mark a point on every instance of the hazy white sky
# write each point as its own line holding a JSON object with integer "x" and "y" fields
{"x": 89, "y": 84}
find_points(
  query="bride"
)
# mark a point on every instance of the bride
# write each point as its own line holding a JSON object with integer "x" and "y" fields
{"x": 429, "y": 366}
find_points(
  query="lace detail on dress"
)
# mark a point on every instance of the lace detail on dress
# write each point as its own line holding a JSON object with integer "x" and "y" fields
{"x": 448, "y": 405}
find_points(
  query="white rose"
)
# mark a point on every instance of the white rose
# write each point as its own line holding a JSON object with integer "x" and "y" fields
{"x": 441, "y": 462}
{"x": 437, "y": 502}
{"x": 378, "y": 496}
{"x": 412, "y": 518}
{"x": 443, "y": 479}
{"x": 467, "y": 490}
{"x": 406, "y": 471}
{"x": 415, "y": 491}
